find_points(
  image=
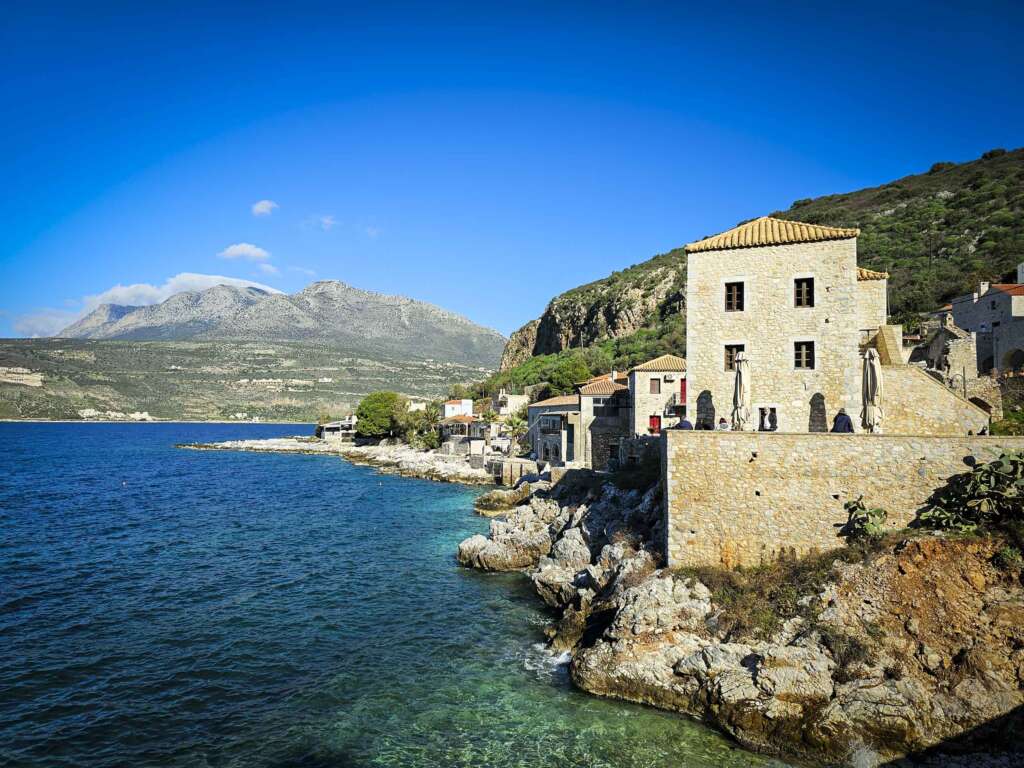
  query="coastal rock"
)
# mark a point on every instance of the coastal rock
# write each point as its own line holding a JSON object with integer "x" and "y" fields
{"x": 919, "y": 643}
{"x": 514, "y": 543}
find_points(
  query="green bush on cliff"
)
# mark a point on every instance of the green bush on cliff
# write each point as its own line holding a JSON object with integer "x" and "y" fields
{"x": 990, "y": 494}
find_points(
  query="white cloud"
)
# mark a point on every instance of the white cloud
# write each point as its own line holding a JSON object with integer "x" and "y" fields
{"x": 45, "y": 322}
{"x": 139, "y": 294}
{"x": 264, "y": 207}
{"x": 268, "y": 269}
{"x": 48, "y": 321}
{"x": 327, "y": 223}
{"x": 246, "y": 251}
{"x": 303, "y": 271}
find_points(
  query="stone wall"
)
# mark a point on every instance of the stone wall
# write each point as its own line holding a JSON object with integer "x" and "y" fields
{"x": 914, "y": 403}
{"x": 769, "y": 326}
{"x": 872, "y": 303}
{"x": 743, "y": 498}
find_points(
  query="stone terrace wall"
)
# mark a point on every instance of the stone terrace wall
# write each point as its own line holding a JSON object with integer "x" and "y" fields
{"x": 742, "y": 498}
{"x": 913, "y": 403}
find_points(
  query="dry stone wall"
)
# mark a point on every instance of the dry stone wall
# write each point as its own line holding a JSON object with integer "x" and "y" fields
{"x": 743, "y": 498}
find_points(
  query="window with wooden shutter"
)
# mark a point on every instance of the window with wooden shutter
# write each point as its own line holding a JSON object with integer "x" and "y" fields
{"x": 731, "y": 350}
{"x": 655, "y": 386}
{"x": 734, "y": 297}
{"x": 803, "y": 292}
{"x": 803, "y": 355}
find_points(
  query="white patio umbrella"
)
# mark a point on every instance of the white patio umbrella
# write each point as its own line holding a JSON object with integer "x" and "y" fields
{"x": 741, "y": 394}
{"x": 871, "y": 392}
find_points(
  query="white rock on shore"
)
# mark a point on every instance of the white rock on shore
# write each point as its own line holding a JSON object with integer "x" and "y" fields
{"x": 396, "y": 459}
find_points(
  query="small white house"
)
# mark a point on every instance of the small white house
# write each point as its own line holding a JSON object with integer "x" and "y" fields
{"x": 457, "y": 408}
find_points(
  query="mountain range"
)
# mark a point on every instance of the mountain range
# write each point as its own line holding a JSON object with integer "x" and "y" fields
{"x": 326, "y": 312}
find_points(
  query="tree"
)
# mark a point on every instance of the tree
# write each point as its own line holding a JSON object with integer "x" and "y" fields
{"x": 379, "y": 414}
{"x": 516, "y": 426}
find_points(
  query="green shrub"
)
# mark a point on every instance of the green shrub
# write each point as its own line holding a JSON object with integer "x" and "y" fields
{"x": 1008, "y": 558}
{"x": 863, "y": 523}
{"x": 990, "y": 494}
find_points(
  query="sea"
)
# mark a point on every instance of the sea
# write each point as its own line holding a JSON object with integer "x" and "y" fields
{"x": 170, "y": 607}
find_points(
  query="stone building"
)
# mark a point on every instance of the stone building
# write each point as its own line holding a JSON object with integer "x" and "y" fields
{"x": 657, "y": 393}
{"x": 585, "y": 429}
{"x": 450, "y": 408}
{"x": 506, "y": 404}
{"x": 553, "y": 429}
{"x": 791, "y": 297}
{"x": 995, "y": 314}
{"x": 605, "y": 417}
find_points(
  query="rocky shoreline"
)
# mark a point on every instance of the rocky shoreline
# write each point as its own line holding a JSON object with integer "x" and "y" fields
{"x": 917, "y": 643}
{"x": 388, "y": 459}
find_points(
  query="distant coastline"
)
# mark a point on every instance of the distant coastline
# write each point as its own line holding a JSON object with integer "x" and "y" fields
{"x": 150, "y": 421}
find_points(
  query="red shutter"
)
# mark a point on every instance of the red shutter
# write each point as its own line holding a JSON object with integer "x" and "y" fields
{"x": 655, "y": 424}
{"x": 682, "y": 390}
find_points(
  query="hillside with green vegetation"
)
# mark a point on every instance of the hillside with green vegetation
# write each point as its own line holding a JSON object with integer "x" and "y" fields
{"x": 938, "y": 234}
{"x": 205, "y": 380}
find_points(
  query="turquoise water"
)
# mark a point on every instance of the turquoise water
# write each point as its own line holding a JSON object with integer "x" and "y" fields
{"x": 162, "y": 607}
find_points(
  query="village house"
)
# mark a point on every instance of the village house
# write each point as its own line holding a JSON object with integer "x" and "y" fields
{"x": 586, "y": 429}
{"x": 783, "y": 331}
{"x": 657, "y": 394}
{"x": 343, "y": 430}
{"x": 462, "y": 407}
{"x": 791, "y": 297}
{"x": 505, "y": 404}
{"x": 995, "y": 313}
{"x": 553, "y": 429}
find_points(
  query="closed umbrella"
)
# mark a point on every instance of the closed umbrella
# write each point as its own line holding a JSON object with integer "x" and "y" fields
{"x": 741, "y": 394}
{"x": 871, "y": 392}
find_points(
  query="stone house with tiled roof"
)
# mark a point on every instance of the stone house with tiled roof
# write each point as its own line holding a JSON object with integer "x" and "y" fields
{"x": 995, "y": 313}
{"x": 791, "y": 297}
{"x": 657, "y": 395}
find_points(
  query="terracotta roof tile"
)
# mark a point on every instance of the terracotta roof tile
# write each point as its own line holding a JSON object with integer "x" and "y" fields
{"x": 603, "y": 387}
{"x": 870, "y": 274}
{"x": 1014, "y": 289}
{"x": 560, "y": 400}
{"x": 769, "y": 231}
{"x": 460, "y": 420}
{"x": 671, "y": 363}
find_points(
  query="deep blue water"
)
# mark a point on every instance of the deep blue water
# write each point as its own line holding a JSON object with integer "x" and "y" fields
{"x": 164, "y": 607}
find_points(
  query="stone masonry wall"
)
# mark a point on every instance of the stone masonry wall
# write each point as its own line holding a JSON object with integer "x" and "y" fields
{"x": 913, "y": 403}
{"x": 743, "y": 498}
{"x": 872, "y": 303}
{"x": 768, "y": 327}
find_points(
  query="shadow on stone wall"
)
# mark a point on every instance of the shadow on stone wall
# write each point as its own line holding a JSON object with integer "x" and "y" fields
{"x": 1001, "y": 735}
{"x": 818, "y": 420}
{"x": 705, "y": 411}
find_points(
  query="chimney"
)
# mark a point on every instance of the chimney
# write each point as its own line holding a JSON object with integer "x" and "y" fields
{"x": 615, "y": 374}
{"x": 1020, "y": 272}
{"x": 983, "y": 289}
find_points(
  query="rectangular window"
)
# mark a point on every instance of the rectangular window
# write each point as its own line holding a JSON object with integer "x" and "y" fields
{"x": 731, "y": 350}
{"x": 655, "y": 386}
{"x": 734, "y": 297}
{"x": 803, "y": 355}
{"x": 803, "y": 292}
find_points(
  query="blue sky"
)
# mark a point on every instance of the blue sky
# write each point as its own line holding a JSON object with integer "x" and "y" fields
{"x": 483, "y": 157}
